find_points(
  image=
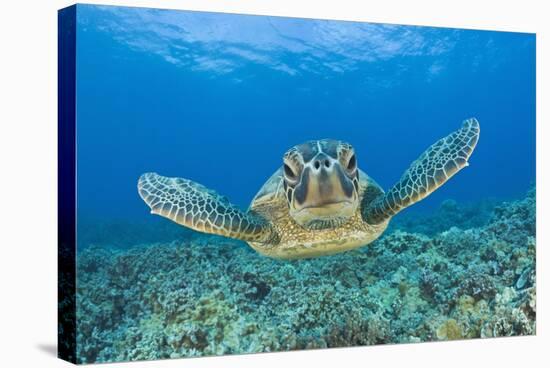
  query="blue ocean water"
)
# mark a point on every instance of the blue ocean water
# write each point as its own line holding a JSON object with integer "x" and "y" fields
{"x": 218, "y": 98}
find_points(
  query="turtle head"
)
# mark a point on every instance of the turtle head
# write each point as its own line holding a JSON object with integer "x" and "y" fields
{"x": 321, "y": 183}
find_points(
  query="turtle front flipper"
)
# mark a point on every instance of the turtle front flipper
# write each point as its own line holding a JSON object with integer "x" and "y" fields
{"x": 193, "y": 205}
{"x": 431, "y": 170}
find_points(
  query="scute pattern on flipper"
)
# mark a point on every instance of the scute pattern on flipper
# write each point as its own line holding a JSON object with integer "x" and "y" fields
{"x": 193, "y": 205}
{"x": 431, "y": 170}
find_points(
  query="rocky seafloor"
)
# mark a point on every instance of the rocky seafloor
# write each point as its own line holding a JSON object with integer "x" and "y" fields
{"x": 469, "y": 273}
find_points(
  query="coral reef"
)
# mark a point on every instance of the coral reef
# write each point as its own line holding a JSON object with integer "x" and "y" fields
{"x": 207, "y": 295}
{"x": 449, "y": 214}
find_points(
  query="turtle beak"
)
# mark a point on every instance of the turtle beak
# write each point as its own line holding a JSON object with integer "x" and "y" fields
{"x": 324, "y": 188}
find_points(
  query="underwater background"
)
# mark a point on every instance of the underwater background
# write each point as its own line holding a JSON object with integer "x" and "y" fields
{"x": 218, "y": 99}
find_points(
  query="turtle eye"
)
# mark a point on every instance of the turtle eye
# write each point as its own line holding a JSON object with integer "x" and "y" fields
{"x": 352, "y": 163}
{"x": 289, "y": 172}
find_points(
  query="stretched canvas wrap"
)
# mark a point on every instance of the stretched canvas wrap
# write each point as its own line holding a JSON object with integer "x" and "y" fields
{"x": 234, "y": 184}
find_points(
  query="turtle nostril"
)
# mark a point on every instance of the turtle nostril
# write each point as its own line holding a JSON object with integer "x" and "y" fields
{"x": 317, "y": 164}
{"x": 327, "y": 163}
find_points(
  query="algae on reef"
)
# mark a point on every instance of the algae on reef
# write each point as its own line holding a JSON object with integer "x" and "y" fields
{"x": 209, "y": 295}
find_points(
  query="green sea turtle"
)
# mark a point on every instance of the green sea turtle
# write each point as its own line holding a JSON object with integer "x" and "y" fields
{"x": 317, "y": 203}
